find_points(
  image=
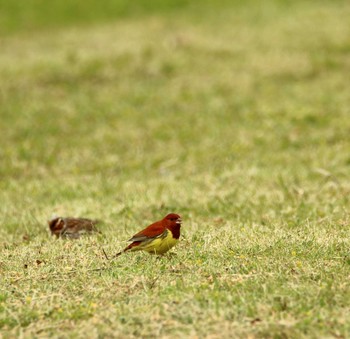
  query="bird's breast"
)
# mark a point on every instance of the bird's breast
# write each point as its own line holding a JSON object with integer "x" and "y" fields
{"x": 162, "y": 244}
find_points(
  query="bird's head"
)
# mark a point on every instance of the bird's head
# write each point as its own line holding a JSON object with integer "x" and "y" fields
{"x": 173, "y": 219}
{"x": 56, "y": 223}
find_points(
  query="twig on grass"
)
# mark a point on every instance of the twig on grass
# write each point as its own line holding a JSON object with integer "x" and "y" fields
{"x": 105, "y": 254}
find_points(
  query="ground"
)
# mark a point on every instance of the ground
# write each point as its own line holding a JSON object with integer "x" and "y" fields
{"x": 235, "y": 116}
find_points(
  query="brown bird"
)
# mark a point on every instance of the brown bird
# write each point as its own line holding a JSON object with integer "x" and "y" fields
{"x": 157, "y": 238}
{"x": 71, "y": 227}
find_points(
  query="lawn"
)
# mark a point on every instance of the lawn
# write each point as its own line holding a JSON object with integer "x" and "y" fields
{"x": 234, "y": 115}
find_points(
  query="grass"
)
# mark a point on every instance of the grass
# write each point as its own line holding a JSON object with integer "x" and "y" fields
{"x": 234, "y": 116}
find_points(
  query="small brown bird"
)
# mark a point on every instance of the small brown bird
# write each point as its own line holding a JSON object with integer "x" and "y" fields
{"x": 71, "y": 227}
{"x": 157, "y": 238}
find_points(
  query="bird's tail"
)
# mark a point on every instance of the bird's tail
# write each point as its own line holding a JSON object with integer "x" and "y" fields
{"x": 127, "y": 248}
{"x": 106, "y": 256}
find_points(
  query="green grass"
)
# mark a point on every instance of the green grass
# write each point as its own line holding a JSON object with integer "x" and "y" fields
{"x": 236, "y": 117}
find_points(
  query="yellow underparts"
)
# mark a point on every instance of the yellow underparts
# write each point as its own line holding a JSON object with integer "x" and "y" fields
{"x": 158, "y": 245}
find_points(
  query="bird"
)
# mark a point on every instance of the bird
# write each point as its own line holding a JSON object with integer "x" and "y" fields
{"x": 157, "y": 238}
{"x": 71, "y": 228}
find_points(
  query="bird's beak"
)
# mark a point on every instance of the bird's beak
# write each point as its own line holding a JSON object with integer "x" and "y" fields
{"x": 179, "y": 221}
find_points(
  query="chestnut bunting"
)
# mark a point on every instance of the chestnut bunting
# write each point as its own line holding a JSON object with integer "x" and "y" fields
{"x": 71, "y": 227}
{"x": 158, "y": 237}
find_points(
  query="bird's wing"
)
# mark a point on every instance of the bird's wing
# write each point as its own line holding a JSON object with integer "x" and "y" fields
{"x": 88, "y": 221}
{"x": 77, "y": 224}
{"x": 156, "y": 230}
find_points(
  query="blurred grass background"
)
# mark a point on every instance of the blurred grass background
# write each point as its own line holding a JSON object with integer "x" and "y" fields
{"x": 40, "y": 14}
{"x": 235, "y": 115}
{"x": 17, "y": 16}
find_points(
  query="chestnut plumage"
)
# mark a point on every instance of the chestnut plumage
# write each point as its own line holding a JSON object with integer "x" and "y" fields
{"x": 71, "y": 227}
{"x": 157, "y": 238}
